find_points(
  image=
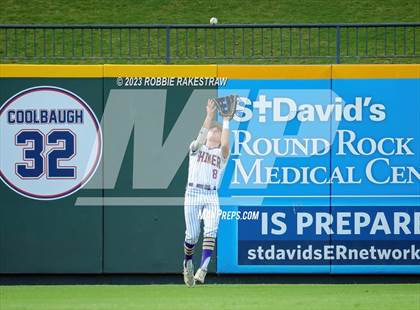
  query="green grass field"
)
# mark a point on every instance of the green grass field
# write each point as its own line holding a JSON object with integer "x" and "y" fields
{"x": 200, "y": 11}
{"x": 247, "y": 296}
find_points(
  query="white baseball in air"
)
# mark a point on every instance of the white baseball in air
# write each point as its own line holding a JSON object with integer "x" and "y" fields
{"x": 213, "y": 20}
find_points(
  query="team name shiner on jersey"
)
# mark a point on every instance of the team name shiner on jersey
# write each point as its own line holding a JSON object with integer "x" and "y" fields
{"x": 205, "y": 157}
{"x": 45, "y": 116}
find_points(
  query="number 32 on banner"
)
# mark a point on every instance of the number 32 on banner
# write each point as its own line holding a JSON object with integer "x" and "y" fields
{"x": 36, "y": 162}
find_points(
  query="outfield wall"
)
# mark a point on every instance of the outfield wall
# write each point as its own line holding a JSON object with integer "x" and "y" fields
{"x": 326, "y": 157}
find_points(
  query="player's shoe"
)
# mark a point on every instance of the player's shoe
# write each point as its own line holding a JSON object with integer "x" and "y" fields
{"x": 189, "y": 273}
{"x": 200, "y": 275}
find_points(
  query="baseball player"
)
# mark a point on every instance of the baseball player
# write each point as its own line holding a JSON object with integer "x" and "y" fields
{"x": 207, "y": 158}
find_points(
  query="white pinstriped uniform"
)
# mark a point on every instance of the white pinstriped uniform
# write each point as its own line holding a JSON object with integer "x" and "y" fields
{"x": 205, "y": 166}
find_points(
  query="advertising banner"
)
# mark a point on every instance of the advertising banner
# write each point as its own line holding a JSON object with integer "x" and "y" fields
{"x": 324, "y": 172}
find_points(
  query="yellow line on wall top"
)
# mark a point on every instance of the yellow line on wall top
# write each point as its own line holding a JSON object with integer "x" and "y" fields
{"x": 275, "y": 71}
{"x": 291, "y": 72}
{"x": 376, "y": 71}
{"x": 53, "y": 71}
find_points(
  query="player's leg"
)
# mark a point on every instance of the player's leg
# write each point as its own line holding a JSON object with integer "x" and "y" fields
{"x": 192, "y": 222}
{"x": 192, "y": 233}
{"x": 211, "y": 223}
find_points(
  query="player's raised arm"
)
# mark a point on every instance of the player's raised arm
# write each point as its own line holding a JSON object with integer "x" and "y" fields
{"x": 224, "y": 140}
{"x": 211, "y": 113}
{"x": 202, "y": 135}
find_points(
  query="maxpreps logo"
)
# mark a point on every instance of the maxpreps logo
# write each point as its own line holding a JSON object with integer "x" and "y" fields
{"x": 51, "y": 143}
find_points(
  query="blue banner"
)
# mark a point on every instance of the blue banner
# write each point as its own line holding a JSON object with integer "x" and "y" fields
{"x": 323, "y": 177}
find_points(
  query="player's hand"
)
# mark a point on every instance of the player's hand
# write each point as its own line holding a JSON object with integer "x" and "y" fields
{"x": 211, "y": 108}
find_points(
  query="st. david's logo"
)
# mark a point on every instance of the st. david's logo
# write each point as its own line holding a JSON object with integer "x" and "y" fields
{"x": 50, "y": 142}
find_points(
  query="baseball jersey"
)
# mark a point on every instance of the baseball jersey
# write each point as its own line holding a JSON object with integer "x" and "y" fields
{"x": 206, "y": 165}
